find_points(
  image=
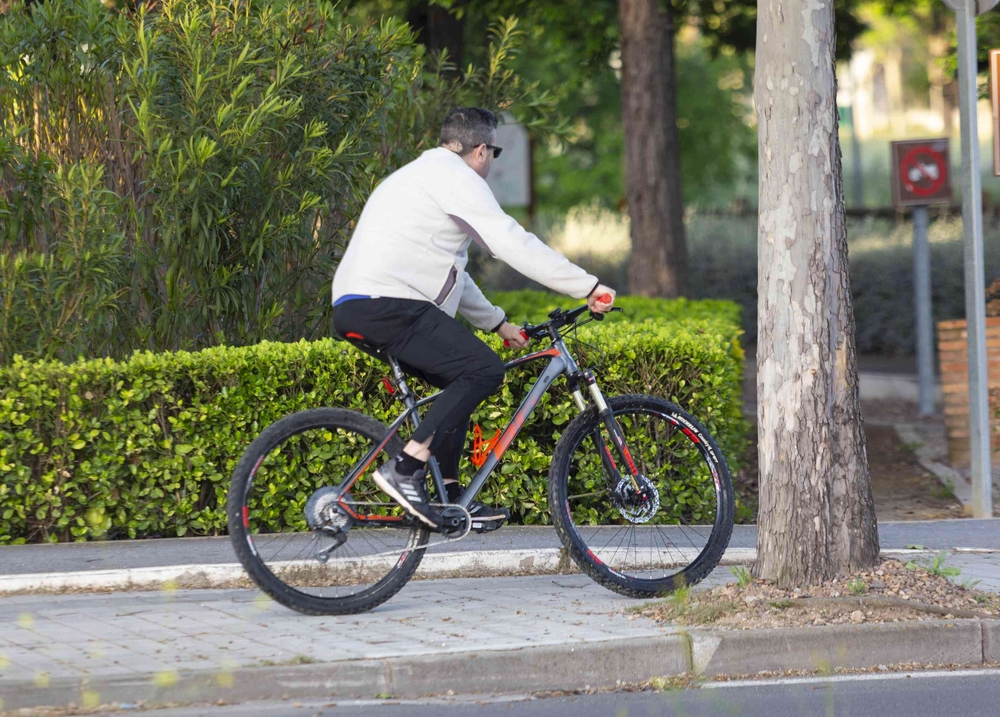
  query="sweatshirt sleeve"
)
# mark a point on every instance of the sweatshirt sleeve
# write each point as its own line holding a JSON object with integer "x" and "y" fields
{"x": 477, "y": 308}
{"x": 471, "y": 204}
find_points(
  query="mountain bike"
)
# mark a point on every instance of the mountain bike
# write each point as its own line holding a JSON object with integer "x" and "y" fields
{"x": 639, "y": 491}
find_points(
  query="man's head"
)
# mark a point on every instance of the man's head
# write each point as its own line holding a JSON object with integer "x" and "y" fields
{"x": 471, "y": 133}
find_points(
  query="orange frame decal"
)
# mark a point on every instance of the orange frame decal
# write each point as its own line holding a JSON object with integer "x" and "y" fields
{"x": 481, "y": 449}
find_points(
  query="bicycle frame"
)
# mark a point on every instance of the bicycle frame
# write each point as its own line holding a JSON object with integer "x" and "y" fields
{"x": 560, "y": 362}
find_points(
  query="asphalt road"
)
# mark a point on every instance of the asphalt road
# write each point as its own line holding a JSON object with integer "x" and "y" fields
{"x": 44, "y": 558}
{"x": 938, "y": 694}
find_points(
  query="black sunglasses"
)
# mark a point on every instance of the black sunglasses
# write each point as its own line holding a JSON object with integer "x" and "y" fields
{"x": 496, "y": 150}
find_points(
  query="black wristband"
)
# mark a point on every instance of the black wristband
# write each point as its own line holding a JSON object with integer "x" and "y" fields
{"x": 593, "y": 290}
{"x": 497, "y": 327}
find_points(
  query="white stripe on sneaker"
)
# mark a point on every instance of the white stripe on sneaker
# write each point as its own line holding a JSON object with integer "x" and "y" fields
{"x": 387, "y": 486}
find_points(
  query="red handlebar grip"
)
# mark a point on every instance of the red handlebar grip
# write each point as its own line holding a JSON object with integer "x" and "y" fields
{"x": 605, "y": 299}
{"x": 506, "y": 343}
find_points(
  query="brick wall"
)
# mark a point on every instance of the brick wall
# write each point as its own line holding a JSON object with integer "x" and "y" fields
{"x": 953, "y": 357}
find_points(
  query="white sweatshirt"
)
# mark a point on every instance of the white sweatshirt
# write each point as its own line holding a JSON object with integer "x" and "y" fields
{"x": 413, "y": 236}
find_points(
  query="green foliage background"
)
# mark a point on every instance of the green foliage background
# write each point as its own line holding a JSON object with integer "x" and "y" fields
{"x": 188, "y": 175}
{"x": 144, "y": 447}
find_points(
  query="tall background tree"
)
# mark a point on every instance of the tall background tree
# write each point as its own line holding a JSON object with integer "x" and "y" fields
{"x": 816, "y": 517}
{"x": 652, "y": 149}
{"x": 664, "y": 141}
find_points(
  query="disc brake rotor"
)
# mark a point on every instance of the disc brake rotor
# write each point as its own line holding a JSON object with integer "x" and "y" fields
{"x": 636, "y": 506}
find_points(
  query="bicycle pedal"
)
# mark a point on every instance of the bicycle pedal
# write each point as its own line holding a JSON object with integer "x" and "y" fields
{"x": 486, "y": 526}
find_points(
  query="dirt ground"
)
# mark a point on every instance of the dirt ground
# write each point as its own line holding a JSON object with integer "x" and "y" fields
{"x": 902, "y": 488}
{"x": 891, "y": 592}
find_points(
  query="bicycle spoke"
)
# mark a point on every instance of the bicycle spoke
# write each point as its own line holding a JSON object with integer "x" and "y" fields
{"x": 285, "y": 480}
{"x": 652, "y": 525}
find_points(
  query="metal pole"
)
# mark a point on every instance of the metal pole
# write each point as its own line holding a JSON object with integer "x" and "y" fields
{"x": 975, "y": 285}
{"x": 922, "y": 306}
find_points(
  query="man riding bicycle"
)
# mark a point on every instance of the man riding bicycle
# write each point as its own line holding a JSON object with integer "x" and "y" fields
{"x": 403, "y": 279}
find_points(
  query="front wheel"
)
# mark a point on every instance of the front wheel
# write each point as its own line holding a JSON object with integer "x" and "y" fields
{"x": 648, "y": 532}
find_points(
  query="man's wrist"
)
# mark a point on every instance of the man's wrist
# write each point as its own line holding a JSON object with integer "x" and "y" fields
{"x": 500, "y": 325}
{"x": 596, "y": 287}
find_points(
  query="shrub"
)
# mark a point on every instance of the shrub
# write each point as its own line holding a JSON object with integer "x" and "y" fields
{"x": 43, "y": 295}
{"x": 145, "y": 447}
{"x": 239, "y": 143}
{"x": 533, "y": 306}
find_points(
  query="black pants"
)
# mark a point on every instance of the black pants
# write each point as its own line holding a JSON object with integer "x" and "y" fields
{"x": 434, "y": 347}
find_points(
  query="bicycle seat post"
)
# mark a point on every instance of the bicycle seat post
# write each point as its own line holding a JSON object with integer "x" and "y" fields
{"x": 397, "y": 373}
{"x": 407, "y": 398}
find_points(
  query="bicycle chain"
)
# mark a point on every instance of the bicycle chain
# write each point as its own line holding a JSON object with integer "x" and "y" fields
{"x": 468, "y": 529}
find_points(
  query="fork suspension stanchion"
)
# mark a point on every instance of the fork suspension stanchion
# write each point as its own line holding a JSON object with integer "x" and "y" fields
{"x": 608, "y": 417}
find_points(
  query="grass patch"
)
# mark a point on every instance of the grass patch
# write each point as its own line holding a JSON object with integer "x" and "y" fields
{"x": 945, "y": 491}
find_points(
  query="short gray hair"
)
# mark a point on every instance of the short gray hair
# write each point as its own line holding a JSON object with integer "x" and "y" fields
{"x": 468, "y": 127}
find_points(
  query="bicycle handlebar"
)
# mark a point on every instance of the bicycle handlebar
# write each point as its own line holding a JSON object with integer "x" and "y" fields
{"x": 560, "y": 318}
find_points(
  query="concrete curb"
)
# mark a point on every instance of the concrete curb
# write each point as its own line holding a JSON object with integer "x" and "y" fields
{"x": 910, "y": 434}
{"x": 483, "y": 563}
{"x": 566, "y": 666}
{"x": 471, "y": 564}
{"x": 532, "y": 669}
{"x": 958, "y": 642}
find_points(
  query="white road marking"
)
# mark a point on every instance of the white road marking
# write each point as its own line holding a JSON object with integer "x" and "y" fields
{"x": 851, "y": 677}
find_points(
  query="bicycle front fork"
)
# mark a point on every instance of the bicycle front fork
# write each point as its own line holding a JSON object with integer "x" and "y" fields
{"x": 614, "y": 430}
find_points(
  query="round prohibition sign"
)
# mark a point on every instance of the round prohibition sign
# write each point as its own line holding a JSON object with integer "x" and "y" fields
{"x": 923, "y": 171}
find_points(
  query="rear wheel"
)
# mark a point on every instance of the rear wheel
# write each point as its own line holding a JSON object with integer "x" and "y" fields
{"x": 648, "y": 533}
{"x": 299, "y": 544}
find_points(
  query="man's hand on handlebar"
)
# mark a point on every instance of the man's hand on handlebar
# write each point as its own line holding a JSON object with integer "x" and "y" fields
{"x": 512, "y": 335}
{"x": 601, "y": 299}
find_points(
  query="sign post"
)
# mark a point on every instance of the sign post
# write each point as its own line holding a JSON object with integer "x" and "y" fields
{"x": 510, "y": 177}
{"x": 975, "y": 283}
{"x": 921, "y": 176}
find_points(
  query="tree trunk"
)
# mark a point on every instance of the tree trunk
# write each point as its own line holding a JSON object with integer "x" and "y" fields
{"x": 438, "y": 28}
{"x": 817, "y": 518}
{"x": 652, "y": 150}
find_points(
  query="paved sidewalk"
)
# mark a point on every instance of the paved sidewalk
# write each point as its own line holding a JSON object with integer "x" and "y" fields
{"x": 131, "y": 646}
{"x": 151, "y": 638}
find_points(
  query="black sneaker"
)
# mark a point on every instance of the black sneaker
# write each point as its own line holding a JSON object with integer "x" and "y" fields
{"x": 409, "y": 491}
{"x": 486, "y": 518}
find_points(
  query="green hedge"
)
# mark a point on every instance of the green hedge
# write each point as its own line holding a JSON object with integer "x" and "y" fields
{"x": 144, "y": 447}
{"x": 533, "y": 306}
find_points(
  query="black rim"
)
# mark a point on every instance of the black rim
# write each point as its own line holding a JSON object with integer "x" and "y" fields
{"x": 276, "y": 527}
{"x": 648, "y": 536}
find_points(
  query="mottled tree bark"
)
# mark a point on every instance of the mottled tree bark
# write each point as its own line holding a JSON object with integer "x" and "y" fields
{"x": 652, "y": 150}
{"x": 817, "y": 518}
